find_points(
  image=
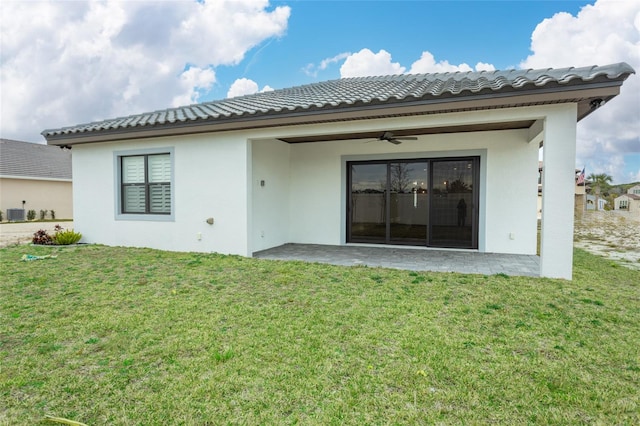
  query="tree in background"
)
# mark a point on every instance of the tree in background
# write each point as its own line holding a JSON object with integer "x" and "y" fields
{"x": 600, "y": 182}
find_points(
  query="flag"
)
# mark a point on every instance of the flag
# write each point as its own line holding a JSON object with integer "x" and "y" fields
{"x": 581, "y": 177}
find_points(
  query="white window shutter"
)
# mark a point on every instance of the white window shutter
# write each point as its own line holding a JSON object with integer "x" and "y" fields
{"x": 160, "y": 198}
{"x": 159, "y": 168}
{"x": 133, "y": 169}
{"x": 134, "y": 199}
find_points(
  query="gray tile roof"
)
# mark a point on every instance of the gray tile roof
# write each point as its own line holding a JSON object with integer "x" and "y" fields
{"x": 336, "y": 95}
{"x": 32, "y": 160}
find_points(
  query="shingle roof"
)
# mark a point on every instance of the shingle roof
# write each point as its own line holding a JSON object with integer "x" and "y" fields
{"x": 32, "y": 160}
{"x": 343, "y": 93}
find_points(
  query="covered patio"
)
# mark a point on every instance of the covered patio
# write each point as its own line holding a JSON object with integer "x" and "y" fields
{"x": 413, "y": 259}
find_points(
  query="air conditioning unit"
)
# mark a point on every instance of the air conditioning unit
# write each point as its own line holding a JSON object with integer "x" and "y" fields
{"x": 15, "y": 215}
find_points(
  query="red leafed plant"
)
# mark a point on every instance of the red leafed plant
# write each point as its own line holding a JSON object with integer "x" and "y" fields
{"x": 41, "y": 237}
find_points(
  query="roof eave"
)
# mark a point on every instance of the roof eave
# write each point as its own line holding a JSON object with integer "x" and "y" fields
{"x": 583, "y": 94}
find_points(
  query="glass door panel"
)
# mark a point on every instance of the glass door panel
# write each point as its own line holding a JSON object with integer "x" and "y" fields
{"x": 368, "y": 202}
{"x": 453, "y": 218}
{"x": 409, "y": 211}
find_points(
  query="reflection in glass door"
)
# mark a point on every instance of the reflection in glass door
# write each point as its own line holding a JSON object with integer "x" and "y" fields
{"x": 368, "y": 202}
{"x": 453, "y": 213}
{"x": 408, "y": 203}
{"x": 416, "y": 202}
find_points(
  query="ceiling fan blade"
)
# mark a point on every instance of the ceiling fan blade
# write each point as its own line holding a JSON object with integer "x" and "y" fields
{"x": 394, "y": 141}
{"x": 386, "y": 136}
{"x": 407, "y": 138}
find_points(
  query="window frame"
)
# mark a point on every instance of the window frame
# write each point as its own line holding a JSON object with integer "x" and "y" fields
{"x": 120, "y": 185}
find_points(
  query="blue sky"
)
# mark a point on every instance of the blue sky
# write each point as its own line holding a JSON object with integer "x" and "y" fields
{"x": 496, "y": 32}
{"x": 69, "y": 62}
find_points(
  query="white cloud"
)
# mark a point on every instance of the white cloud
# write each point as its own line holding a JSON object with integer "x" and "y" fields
{"x": 366, "y": 63}
{"x": 64, "y": 63}
{"x": 633, "y": 177}
{"x": 245, "y": 86}
{"x": 427, "y": 64}
{"x": 481, "y": 66}
{"x": 312, "y": 70}
{"x": 603, "y": 33}
{"x": 193, "y": 80}
{"x": 242, "y": 86}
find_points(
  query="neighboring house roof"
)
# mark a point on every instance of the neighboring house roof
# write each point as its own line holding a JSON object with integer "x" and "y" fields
{"x": 32, "y": 160}
{"x": 367, "y": 97}
{"x": 632, "y": 196}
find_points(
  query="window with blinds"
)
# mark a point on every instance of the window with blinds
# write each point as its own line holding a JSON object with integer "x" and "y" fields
{"x": 146, "y": 184}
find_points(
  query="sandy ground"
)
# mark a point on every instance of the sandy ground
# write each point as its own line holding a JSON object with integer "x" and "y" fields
{"x": 612, "y": 234}
{"x": 22, "y": 232}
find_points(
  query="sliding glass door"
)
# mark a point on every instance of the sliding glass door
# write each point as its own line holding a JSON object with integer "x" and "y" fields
{"x": 419, "y": 202}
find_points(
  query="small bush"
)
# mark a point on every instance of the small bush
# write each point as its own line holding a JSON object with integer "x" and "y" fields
{"x": 41, "y": 237}
{"x": 43, "y": 214}
{"x": 31, "y": 215}
{"x": 61, "y": 237}
{"x": 1, "y": 217}
{"x": 67, "y": 237}
{"x": 53, "y": 214}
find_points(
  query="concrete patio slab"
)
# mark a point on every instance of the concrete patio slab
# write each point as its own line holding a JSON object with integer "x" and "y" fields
{"x": 414, "y": 259}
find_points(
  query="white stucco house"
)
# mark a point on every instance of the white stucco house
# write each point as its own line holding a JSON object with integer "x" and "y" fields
{"x": 635, "y": 190}
{"x": 629, "y": 202}
{"x": 445, "y": 160}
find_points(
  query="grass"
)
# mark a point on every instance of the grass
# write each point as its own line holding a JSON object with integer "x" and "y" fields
{"x": 138, "y": 337}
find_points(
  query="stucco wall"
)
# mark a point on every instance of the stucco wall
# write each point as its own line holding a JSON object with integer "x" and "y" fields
{"x": 39, "y": 195}
{"x": 270, "y": 184}
{"x": 210, "y": 181}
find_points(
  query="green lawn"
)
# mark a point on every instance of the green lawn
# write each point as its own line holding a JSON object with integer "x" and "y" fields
{"x": 142, "y": 337}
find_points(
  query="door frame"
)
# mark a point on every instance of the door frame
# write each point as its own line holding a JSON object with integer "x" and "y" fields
{"x": 475, "y": 208}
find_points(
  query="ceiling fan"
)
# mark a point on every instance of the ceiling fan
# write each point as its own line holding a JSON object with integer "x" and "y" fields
{"x": 388, "y": 137}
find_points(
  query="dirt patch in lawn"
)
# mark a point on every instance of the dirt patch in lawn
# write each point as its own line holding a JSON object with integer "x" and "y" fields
{"x": 612, "y": 234}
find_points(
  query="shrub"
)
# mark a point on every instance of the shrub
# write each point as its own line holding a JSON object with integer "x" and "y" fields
{"x": 67, "y": 237}
{"x": 41, "y": 237}
{"x": 31, "y": 215}
{"x": 53, "y": 214}
{"x": 61, "y": 237}
{"x": 1, "y": 217}
{"x": 43, "y": 214}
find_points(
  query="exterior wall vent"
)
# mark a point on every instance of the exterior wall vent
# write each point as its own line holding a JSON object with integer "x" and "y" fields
{"x": 15, "y": 215}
